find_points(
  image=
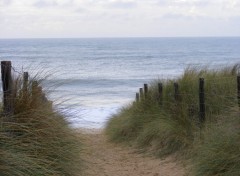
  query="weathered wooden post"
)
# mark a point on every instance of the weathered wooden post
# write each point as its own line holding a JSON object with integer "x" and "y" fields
{"x": 201, "y": 101}
{"x": 176, "y": 91}
{"x": 137, "y": 97}
{"x": 25, "y": 81}
{"x": 160, "y": 92}
{"x": 6, "y": 67}
{"x": 141, "y": 93}
{"x": 238, "y": 89}
{"x": 145, "y": 90}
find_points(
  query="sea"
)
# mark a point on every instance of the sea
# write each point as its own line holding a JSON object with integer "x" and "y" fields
{"x": 91, "y": 79}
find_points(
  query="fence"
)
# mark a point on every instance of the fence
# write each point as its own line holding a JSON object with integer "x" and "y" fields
{"x": 142, "y": 95}
{"x": 10, "y": 92}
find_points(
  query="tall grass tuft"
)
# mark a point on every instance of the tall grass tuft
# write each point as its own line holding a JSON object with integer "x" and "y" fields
{"x": 171, "y": 125}
{"x": 219, "y": 152}
{"x": 36, "y": 139}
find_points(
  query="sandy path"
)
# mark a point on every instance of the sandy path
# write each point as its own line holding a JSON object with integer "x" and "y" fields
{"x": 106, "y": 159}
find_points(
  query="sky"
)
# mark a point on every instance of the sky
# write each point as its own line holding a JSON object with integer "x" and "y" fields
{"x": 118, "y": 18}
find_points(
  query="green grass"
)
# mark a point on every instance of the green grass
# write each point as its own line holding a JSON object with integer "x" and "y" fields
{"x": 219, "y": 152}
{"x": 36, "y": 139}
{"x": 172, "y": 126}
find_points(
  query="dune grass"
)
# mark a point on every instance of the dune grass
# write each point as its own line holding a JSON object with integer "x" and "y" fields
{"x": 219, "y": 152}
{"x": 172, "y": 126}
{"x": 36, "y": 139}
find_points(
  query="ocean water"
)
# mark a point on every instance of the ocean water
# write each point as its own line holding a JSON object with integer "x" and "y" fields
{"x": 91, "y": 79}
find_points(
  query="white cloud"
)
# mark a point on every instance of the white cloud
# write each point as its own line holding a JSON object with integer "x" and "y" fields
{"x": 86, "y": 18}
{"x": 44, "y": 3}
{"x": 5, "y": 2}
{"x": 122, "y": 4}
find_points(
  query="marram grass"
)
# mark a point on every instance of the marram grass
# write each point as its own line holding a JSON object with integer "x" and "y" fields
{"x": 219, "y": 152}
{"x": 169, "y": 126}
{"x": 36, "y": 140}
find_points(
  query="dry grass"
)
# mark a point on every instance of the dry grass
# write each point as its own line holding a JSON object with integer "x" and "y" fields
{"x": 36, "y": 139}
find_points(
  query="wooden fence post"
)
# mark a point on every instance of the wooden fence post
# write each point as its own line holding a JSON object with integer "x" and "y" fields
{"x": 160, "y": 92}
{"x": 137, "y": 97}
{"x": 201, "y": 100}
{"x": 145, "y": 90}
{"x": 176, "y": 91}
{"x": 25, "y": 81}
{"x": 238, "y": 89}
{"x": 6, "y": 67}
{"x": 141, "y": 93}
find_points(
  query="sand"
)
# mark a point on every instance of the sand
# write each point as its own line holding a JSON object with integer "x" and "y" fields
{"x": 103, "y": 158}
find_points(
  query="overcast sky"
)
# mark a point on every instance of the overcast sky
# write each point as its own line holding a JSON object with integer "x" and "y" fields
{"x": 118, "y": 18}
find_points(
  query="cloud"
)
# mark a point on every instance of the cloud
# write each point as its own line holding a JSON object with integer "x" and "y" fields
{"x": 5, "y": 2}
{"x": 117, "y": 17}
{"x": 81, "y": 10}
{"x": 45, "y": 3}
{"x": 182, "y": 3}
{"x": 175, "y": 16}
{"x": 65, "y": 2}
{"x": 52, "y": 3}
{"x": 163, "y": 2}
{"x": 123, "y": 4}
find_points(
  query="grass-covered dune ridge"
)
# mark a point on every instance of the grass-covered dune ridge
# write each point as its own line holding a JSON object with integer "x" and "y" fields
{"x": 219, "y": 152}
{"x": 36, "y": 139}
{"x": 169, "y": 125}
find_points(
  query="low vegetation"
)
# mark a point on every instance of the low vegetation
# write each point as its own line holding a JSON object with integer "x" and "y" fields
{"x": 35, "y": 139}
{"x": 170, "y": 124}
{"x": 219, "y": 152}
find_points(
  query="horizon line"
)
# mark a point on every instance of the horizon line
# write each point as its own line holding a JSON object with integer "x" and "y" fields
{"x": 8, "y": 38}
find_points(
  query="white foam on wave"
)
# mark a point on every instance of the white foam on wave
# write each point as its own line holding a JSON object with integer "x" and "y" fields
{"x": 96, "y": 117}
